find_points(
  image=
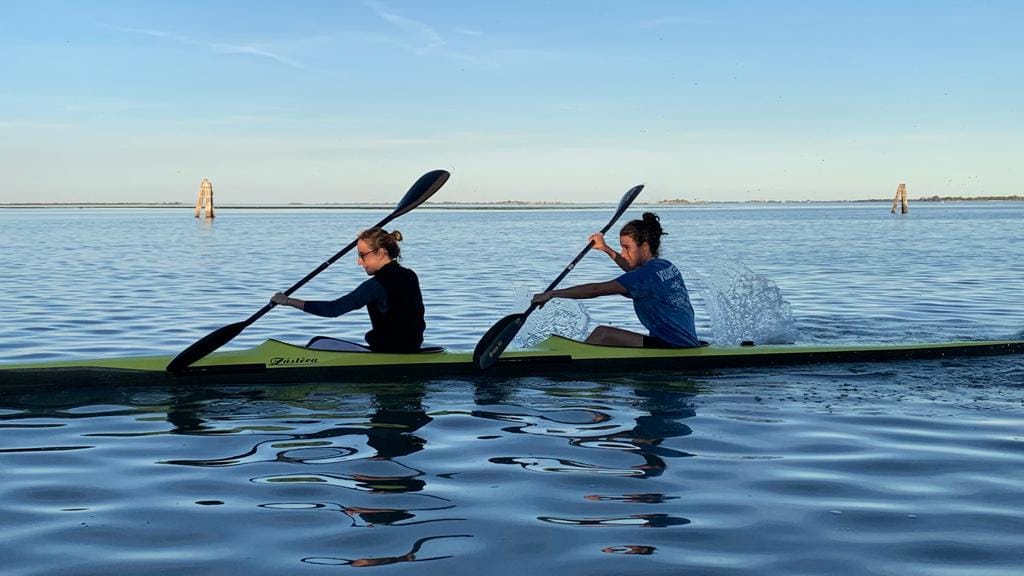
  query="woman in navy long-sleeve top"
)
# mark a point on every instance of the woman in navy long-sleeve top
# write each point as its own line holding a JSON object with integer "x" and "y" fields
{"x": 391, "y": 295}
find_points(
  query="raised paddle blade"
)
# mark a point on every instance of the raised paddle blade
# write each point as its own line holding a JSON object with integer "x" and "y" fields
{"x": 420, "y": 191}
{"x": 499, "y": 336}
{"x": 624, "y": 204}
{"x": 496, "y": 339}
{"x": 205, "y": 345}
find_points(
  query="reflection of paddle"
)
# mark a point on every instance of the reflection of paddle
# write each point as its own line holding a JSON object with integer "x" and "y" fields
{"x": 423, "y": 188}
{"x": 495, "y": 340}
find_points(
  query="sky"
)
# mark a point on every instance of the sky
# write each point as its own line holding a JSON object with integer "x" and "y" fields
{"x": 350, "y": 101}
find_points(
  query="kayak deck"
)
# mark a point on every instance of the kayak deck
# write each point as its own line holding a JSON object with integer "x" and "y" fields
{"x": 276, "y": 361}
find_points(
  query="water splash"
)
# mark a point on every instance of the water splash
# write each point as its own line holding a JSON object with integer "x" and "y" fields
{"x": 560, "y": 316}
{"x": 743, "y": 305}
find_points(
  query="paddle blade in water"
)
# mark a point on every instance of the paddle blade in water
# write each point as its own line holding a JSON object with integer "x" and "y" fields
{"x": 205, "y": 345}
{"x": 496, "y": 339}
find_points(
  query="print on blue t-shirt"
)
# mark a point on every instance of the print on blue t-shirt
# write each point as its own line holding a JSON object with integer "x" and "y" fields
{"x": 661, "y": 301}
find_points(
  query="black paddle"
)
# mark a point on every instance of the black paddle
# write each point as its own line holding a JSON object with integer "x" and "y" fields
{"x": 423, "y": 188}
{"x": 495, "y": 340}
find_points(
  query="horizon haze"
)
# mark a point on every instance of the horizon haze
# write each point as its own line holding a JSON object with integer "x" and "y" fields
{"x": 324, "y": 102}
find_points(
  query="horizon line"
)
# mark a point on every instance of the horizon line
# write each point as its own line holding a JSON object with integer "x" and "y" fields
{"x": 501, "y": 204}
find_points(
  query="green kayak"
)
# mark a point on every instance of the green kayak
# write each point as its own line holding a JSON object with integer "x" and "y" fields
{"x": 274, "y": 361}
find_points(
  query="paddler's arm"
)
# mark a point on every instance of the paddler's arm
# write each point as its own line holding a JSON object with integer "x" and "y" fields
{"x": 581, "y": 292}
{"x": 599, "y": 244}
{"x": 365, "y": 293}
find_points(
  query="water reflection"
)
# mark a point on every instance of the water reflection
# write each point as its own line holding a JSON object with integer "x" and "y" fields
{"x": 641, "y": 520}
{"x": 363, "y": 517}
{"x": 599, "y": 417}
{"x": 388, "y": 431}
{"x": 340, "y": 434}
{"x": 630, "y": 549}
{"x": 664, "y": 411}
{"x": 634, "y": 498}
{"x": 410, "y": 556}
{"x": 332, "y": 462}
{"x": 597, "y": 426}
{"x": 659, "y": 418}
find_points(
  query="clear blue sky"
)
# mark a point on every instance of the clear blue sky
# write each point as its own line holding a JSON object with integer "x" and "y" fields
{"x": 347, "y": 101}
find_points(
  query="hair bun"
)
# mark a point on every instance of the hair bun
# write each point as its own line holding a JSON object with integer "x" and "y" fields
{"x": 648, "y": 230}
{"x": 396, "y": 235}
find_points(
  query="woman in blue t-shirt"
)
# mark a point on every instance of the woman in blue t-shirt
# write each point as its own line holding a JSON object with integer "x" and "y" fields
{"x": 654, "y": 284}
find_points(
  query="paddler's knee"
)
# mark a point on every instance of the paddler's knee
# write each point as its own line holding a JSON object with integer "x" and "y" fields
{"x": 612, "y": 336}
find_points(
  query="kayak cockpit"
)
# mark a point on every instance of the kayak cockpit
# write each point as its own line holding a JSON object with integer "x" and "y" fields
{"x": 338, "y": 345}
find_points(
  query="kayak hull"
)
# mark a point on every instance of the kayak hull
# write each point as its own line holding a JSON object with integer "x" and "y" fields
{"x": 279, "y": 362}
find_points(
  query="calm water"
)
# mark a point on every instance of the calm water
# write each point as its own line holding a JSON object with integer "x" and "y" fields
{"x": 904, "y": 468}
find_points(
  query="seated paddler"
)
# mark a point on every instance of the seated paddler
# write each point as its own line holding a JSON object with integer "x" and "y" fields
{"x": 391, "y": 295}
{"x": 654, "y": 284}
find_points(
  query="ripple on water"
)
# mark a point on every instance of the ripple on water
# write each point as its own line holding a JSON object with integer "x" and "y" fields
{"x": 904, "y": 468}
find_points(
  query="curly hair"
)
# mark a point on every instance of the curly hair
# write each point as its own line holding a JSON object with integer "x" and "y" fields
{"x": 646, "y": 230}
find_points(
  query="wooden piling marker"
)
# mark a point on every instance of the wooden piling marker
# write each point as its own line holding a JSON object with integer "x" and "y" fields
{"x": 900, "y": 200}
{"x": 205, "y": 200}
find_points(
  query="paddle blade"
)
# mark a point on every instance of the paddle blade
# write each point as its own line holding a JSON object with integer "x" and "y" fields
{"x": 496, "y": 339}
{"x": 205, "y": 345}
{"x": 420, "y": 191}
{"x": 624, "y": 204}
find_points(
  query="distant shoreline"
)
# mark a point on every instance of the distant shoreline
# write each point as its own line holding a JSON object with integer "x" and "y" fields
{"x": 503, "y": 205}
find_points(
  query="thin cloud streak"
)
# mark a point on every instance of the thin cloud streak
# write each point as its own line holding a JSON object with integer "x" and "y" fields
{"x": 431, "y": 39}
{"x": 421, "y": 38}
{"x": 248, "y": 49}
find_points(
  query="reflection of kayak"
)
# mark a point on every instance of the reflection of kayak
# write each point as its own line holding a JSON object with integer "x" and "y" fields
{"x": 275, "y": 361}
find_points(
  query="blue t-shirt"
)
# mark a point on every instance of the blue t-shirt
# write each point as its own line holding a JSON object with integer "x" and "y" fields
{"x": 661, "y": 301}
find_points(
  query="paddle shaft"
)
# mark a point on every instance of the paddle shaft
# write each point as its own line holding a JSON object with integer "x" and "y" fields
{"x": 571, "y": 265}
{"x": 424, "y": 188}
{"x": 501, "y": 334}
{"x": 270, "y": 305}
{"x": 564, "y": 273}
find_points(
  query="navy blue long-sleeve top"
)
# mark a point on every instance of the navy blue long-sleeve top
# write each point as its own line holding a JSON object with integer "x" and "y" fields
{"x": 393, "y": 299}
{"x": 370, "y": 292}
